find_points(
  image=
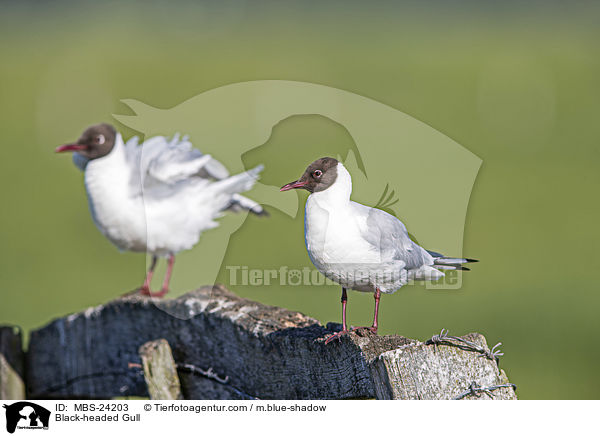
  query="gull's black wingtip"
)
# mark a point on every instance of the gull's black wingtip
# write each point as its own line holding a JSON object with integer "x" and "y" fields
{"x": 262, "y": 213}
{"x": 471, "y": 260}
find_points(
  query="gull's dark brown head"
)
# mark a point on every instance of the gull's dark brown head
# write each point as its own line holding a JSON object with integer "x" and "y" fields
{"x": 96, "y": 141}
{"x": 319, "y": 175}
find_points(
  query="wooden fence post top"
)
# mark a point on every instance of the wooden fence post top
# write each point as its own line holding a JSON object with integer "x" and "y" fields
{"x": 160, "y": 370}
{"x": 11, "y": 364}
{"x": 261, "y": 351}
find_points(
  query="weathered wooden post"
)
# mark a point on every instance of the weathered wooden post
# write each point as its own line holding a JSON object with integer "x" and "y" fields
{"x": 227, "y": 347}
{"x": 443, "y": 371}
{"x": 160, "y": 371}
{"x": 11, "y": 364}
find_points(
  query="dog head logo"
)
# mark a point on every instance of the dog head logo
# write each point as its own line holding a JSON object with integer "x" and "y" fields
{"x": 26, "y": 415}
{"x": 389, "y": 154}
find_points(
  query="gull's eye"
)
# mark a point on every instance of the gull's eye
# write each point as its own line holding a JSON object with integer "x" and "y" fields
{"x": 100, "y": 139}
{"x": 317, "y": 173}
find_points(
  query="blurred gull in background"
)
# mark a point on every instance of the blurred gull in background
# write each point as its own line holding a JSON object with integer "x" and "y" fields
{"x": 158, "y": 197}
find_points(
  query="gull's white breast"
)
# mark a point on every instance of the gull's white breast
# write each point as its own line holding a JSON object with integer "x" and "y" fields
{"x": 119, "y": 215}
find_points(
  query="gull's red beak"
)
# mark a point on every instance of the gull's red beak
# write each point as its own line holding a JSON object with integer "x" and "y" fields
{"x": 70, "y": 147}
{"x": 293, "y": 185}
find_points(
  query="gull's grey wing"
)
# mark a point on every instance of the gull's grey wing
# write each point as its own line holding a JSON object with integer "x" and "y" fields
{"x": 389, "y": 236}
{"x": 160, "y": 160}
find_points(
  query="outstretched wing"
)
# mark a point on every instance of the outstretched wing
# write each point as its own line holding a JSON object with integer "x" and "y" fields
{"x": 160, "y": 165}
{"x": 163, "y": 161}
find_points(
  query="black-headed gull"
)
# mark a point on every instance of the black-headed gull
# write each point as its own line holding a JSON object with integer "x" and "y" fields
{"x": 360, "y": 247}
{"x": 158, "y": 197}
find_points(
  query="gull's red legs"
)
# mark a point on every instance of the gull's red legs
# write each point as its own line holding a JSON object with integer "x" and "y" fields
{"x": 373, "y": 328}
{"x": 145, "y": 290}
{"x": 345, "y": 330}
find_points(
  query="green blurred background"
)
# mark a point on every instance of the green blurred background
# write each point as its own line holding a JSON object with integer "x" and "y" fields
{"x": 518, "y": 85}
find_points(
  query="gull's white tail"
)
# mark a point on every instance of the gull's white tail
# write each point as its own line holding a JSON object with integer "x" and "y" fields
{"x": 450, "y": 263}
{"x": 230, "y": 188}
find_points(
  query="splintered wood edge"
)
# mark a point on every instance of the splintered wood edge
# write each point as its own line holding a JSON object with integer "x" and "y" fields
{"x": 160, "y": 371}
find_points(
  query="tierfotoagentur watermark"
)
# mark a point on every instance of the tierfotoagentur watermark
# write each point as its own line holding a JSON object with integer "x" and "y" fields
{"x": 243, "y": 275}
{"x": 283, "y": 276}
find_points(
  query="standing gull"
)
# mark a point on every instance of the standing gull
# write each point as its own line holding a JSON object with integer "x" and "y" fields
{"x": 158, "y": 197}
{"x": 360, "y": 247}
